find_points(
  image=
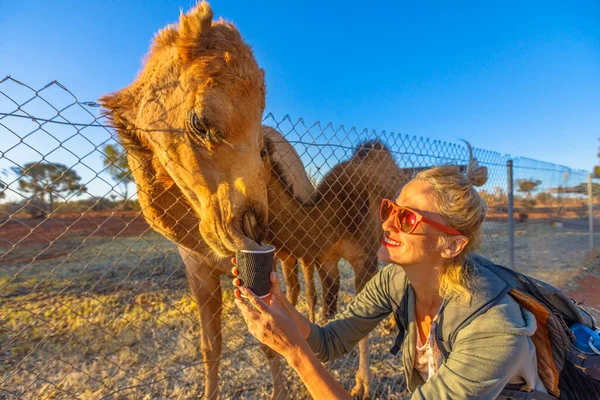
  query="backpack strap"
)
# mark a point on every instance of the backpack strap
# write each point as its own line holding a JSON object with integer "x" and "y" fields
{"x": 401, "y": 316}
{"x": 582, "y": 360}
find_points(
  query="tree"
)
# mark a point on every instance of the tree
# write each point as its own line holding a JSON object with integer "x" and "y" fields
{"x": 52, "y": 178}
{"x": 582, "y": 188}
{"x": 544, "y": 198}
{"x": 527, "y": 186}
{"x": 499, "y": 193}
{"x": 115, "y": 160}
{"x": 3, "y": 184}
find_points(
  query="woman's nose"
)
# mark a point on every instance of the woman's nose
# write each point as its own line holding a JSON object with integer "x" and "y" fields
{"x": 389, "y": 225}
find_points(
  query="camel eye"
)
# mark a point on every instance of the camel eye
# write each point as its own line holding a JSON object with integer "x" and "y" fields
{"x": 197, "y": 125}
{"x": 263, "y": 154}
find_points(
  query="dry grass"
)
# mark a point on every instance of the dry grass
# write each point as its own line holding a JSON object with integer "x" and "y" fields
{"x": 112, "y": 317}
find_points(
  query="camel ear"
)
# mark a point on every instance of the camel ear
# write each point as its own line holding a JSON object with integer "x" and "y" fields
{"x": 194, "y": 31}
{"x": 116, "y": 104}
{"x": 166, "y": 37}
{"x": 263, "y": 89}
{"x": 288, "y": 166}
{"x": 119, "y": 108}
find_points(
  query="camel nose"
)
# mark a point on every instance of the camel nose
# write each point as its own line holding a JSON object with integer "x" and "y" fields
{"x": 252, "y": 227}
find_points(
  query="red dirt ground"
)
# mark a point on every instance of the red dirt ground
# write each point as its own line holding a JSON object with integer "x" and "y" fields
{"x": 584, "y": 288}
{"x": 94, "y": 224}
{"x": 587, "y": 286}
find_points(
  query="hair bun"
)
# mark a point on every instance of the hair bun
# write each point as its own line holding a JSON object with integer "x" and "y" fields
{"x": 476, "y": 174}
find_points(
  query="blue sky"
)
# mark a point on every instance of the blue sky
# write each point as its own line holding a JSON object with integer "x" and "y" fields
{"x": 514, "y": 77}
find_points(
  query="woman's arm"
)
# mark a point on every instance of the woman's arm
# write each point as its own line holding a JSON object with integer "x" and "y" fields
{"x": 361, "y": 316}
{"x": 318, "y": 381}
{"x": 271, "y": 325}
{"x": 274, "y": 322}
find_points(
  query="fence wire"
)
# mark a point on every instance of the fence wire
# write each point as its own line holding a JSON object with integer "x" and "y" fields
{"x": 95, "y": 303}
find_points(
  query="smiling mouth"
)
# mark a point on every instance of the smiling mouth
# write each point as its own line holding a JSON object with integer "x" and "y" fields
{"x": 386, "y": 241}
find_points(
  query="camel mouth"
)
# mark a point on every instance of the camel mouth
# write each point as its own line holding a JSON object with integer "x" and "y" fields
{"x": 228, "y": 245}
{"x": 245, "y": 233}
{"x": 238, "y": 241}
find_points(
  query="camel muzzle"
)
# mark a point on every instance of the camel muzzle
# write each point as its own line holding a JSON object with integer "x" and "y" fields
{"x": 252, "y": 228}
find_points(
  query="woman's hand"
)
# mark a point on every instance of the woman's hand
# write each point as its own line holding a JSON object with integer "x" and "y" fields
{"x": 277, "y": 324}
{"x": 275, "y": 289}
{"x": 270, "y": 323}
{"x": 272, "y": 320}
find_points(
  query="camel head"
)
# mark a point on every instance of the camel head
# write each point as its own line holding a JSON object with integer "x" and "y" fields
{"x": 195, "y": 112}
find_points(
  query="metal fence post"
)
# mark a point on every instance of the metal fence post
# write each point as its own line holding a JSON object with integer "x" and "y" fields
{"x": 591, "y": 211}
{"x": 511, "y": 219}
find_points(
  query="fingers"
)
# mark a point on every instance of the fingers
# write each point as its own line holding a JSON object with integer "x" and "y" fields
{"x": 274, "y": 279}
{"x": 254, "y": 299}
{"x": 237, "y": 293}
{"x": 275, "y": 288}
{"x": 236, "y": 272}
{"x": 236, "y": 281}
{"x": 248, "y": 313}
{"x": 244, "y": 308}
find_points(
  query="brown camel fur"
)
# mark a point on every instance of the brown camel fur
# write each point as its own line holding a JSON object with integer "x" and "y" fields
{"x": 191, "y": 126}
{"x": 340, "y": 221}
{"x": 198, "y": 102}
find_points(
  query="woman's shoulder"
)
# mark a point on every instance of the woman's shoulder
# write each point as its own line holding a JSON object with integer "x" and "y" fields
{"x": 490, "y": 311}
{"x": 394, "y": 276}
{"x": 389, "y": 283}
{"x": 392, "y": 271}
{"x": 506, "y": 316}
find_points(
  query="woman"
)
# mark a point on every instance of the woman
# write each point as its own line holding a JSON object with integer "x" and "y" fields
{"x": 430, "y": 285}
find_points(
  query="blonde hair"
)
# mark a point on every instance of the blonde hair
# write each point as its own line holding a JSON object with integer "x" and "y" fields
{"x": 463, "y": 209}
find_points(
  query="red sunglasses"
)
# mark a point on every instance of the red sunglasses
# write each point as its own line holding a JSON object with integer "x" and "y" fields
{"x": 407, "y": 219}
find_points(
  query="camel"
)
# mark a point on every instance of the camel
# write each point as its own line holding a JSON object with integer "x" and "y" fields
{"x": 341, "y": 220}
{"x": 210, "y": 180}
{"x": 198, "y": 102}
{"x": 191, "y": 126}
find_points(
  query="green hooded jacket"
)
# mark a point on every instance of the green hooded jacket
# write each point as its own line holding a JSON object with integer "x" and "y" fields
{"x": 491, "y": 351}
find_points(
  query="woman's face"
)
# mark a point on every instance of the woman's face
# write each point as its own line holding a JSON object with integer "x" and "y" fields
{"x": 420, "y": 247}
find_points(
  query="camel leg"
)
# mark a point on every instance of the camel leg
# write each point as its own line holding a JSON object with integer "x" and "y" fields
{"x": 290, "y": 274}
{"x": 363, "y": 272}
{"x": 203, "y": 279}
{"x": 279, "y": 385}
{"x": 308, "y": 269}
{"x": 363, "y": 375}
{"x": 330, "y": 281}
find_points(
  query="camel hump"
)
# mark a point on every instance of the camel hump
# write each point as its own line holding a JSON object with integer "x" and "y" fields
{"x": 371, "y": 148}
{"x": 374, "y": 158}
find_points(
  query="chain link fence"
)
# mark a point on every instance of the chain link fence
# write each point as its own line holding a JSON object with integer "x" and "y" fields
{"x": 94, "y": 303}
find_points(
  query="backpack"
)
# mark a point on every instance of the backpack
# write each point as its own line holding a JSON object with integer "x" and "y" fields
{"x": 566, "y": 339}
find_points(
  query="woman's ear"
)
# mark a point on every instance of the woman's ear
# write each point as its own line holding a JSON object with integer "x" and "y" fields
{"x": 454, "y": 246}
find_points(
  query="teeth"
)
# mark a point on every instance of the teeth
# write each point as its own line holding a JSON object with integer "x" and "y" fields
{"x": 390, "y": 241}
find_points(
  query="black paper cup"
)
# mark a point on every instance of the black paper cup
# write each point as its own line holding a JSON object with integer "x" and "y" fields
{"x": 255, "y": 268}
